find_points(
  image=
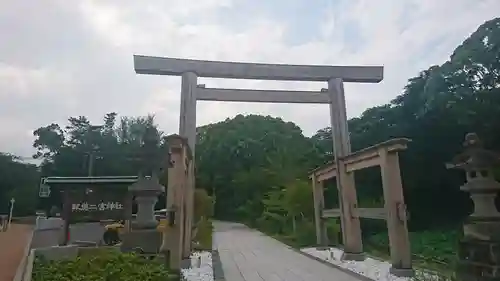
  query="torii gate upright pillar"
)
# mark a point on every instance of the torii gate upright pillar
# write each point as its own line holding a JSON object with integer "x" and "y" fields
{"x": 351, "y": 228}
{"x": 187, "y": 129}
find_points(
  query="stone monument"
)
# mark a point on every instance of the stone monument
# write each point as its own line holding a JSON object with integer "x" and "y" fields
{"x": 479, "y": 249}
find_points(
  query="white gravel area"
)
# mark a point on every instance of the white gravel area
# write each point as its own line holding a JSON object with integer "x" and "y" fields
{"x": 372, "y": 268}
{"x": 200, "y": 269}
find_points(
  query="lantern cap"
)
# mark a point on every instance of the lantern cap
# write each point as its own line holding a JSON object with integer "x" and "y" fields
{"x": 148, "y": 183}
{"x": 474, "y": 155}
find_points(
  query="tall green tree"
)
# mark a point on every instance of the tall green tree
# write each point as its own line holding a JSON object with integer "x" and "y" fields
{"x": 243, "y": 158}
{"x": 18, "y": 180}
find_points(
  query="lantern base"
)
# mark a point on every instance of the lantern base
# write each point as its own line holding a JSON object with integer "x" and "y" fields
{"x": 478, "y": 260}
{"x": 402, "y": 272}
{"x": 148, "y": 240}
{"x": 353, "y": 256}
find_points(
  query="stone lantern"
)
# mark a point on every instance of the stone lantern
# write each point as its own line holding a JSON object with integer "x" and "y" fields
{"x": 148, "y": 187}
{"x": 143, "y": 236}
{"x": 479, "y": 249}
{"x": 146, "y": 191}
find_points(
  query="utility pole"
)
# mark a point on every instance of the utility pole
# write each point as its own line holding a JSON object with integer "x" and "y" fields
{"x": 91, "y": 164}
{"x": 92, "y": 148}
{"x": 12, "y": 201}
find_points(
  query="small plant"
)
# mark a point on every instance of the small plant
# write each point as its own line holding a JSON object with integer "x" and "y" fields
{"x": 434, "y": 250}
{"x": 333, "y": 231}
{"x": 203, "y": 234}
{"x": 432, "y": 276}
{"x": 103, "y": 266}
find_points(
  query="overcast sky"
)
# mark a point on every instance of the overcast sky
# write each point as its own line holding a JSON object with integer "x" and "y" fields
{"x": 61, "y": 58}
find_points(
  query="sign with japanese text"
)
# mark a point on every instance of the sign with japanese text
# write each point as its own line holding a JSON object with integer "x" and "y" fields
{"x": 97, "y": 203}
{"x": 102, "y": 206}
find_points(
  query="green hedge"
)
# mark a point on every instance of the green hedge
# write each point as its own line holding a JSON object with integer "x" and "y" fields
{"x": 103, "y": 266}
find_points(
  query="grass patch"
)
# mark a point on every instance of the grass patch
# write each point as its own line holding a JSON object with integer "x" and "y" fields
{"x": 103, "y": 265}
{"x": 433, "y": 250}
{"x": 203, "y": 237}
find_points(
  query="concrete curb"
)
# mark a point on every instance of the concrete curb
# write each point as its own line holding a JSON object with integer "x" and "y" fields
{"x": 21, "y": 268}
{"x": 352, "y": 273}
{"x": 28, "y": 270}
{"x": 218, "y": 272}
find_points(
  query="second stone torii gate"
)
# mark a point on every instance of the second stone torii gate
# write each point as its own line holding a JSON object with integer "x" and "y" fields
{"x": 335, "y": 76}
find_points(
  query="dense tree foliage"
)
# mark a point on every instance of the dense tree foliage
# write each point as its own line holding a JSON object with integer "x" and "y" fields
{"x": 242, "y": 159}
{"x": 115, "y": 148}
{"x": 20, "y": 181}
{"x": 257, "y": 166}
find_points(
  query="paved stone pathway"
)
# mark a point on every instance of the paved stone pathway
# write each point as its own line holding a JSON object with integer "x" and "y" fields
{"x": 249, "y": 255}
{"x": 12, "y": 246}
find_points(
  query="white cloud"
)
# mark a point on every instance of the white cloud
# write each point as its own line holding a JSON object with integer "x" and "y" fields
{"x": 64, "y": 59}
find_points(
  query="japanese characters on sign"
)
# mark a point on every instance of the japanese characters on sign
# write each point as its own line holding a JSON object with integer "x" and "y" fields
{"x": 102, "y": 206}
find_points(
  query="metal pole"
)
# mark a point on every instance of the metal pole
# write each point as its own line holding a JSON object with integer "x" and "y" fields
{"x": 92, "y": 147}
{"x": 91, "y": 163}
{"x": 12, "y": 201}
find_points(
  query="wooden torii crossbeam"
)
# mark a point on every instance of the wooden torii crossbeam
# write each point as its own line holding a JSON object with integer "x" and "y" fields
{"x": 385, "y": 155}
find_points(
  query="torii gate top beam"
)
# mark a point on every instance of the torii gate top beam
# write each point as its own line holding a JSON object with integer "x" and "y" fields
{"x": 260, "y": 71}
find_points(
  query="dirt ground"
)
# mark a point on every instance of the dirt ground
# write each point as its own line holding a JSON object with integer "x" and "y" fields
{"x": 12, "y": 246}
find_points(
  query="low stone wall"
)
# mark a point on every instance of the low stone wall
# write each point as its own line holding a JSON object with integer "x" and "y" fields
{"x": 21, "y": 268}
{"x": 47, "y": 233}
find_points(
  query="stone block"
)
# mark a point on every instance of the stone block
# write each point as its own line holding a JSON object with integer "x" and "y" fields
{"x": 43, "y": 238}
{"x": 48, "y": 223}
{"x": 479, "y": 260}
{"x": 149, "y": 241}
{"x": 470, "y": 270}
{"x": 91, "y": 231}
{"x": 58, "y": 253}
{"x": 402, "y": 272}
{"x": 495, "y": 252}
{"x": 80, "y": 243}
{"x": 480, "y": 251}
{"x": 353, "y": 256}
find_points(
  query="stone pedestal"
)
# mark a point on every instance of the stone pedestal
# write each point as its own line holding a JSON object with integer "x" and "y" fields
{"x": 353, "y": 256}
{"x": 145, "y": 212}
{"x": 146, "y": 241}
{"x": 478, "y": 260}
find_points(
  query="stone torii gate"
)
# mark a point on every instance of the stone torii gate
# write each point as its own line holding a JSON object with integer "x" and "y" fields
{"x": 335, "y": 76}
